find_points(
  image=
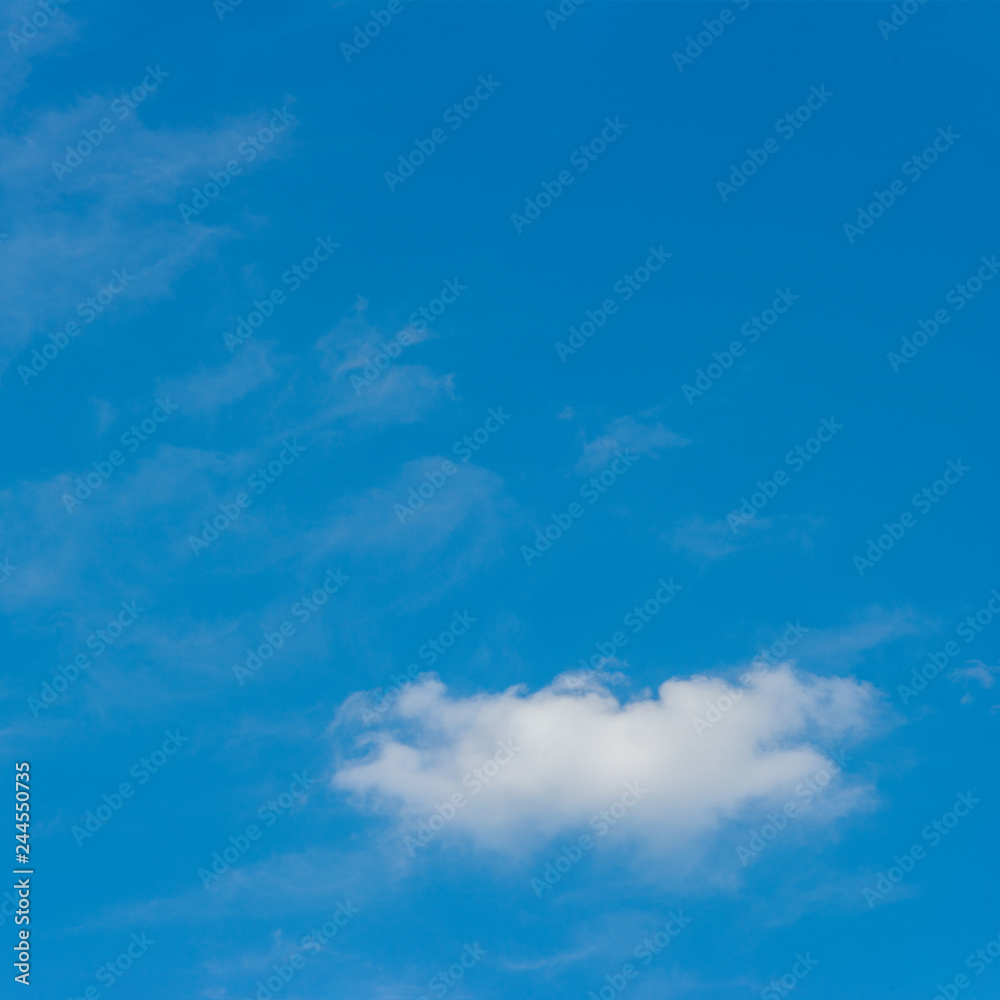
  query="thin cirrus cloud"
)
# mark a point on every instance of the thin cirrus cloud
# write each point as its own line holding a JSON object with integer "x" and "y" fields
{"x": 577, "y": 746}
{"x": 152, "y": 502}
{"x": 117, "y": 210}
{"x": 210, "y": 388}
{"x": 463, "y": 524}
{"x": 627, "y": 433}
{"x": 976, "y": 670}
{"x": 16, "y": 66}
{"x": 402, "y": 393}
{"x": 367, "y": 385}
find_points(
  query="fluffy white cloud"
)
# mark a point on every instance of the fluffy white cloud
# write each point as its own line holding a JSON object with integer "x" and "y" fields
{"x": 578, "y": 746}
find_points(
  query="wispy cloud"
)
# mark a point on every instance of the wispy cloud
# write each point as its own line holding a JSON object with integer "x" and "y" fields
{"x": 375, "y": 379}
{"x": 976, "y": 670}
{"x": 869, "y": 629}
{"x": 208, "y": 389}
{"x": 711, "y": 539}
{"x": 627, "y": 433}
{"x": 116, "y": 210}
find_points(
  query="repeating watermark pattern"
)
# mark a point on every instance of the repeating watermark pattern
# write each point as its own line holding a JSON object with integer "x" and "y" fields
{"x": 901, "y": 14}
{"x": 914, "y": 168}
{"x": 131, "y": 439}
{"x": 697, "y": 44}
{"x": 419, "y": 320}
{"x": 387, "y": 353}
{"x": 650, "y": 947}
{"x": 786, "y": 127}
{"x": 475, "y": 780}
{"x": 386, "y": 697}
{"x": 463, "y": 449}
{"x": 591, "y": 491}
{"x": 625, "y": 287}
{"x": 635, "y": 621}
{"x": 765, "y": 658}
{"x": 455, "y": 116}
{"x": 601, "y": 823}
{"x": 224, "y": 7}
{"x": 258, "y": 481}
{"x": 440, "y": 984}
{"x": 268, "y": 814}
{"x": 775, "y": 823}
{"x": 419, "y": 495}
{"x": 779, "y": 988}
{"x": 430, "y": 652}
{"x": 95, "y": 819}
{"x": 121, "y": 107}
{"x": 581, "y": 158}
{"x": 644, "y": 952}
{"x": 934, "y": 833}
{"x": 562, "y": 13}
{"x": 705, "y": 377}
{"x": 471, "y": 443}
{"x": 20, "y": 35}
{"x": 294, "y": 277}
{"x": 316, "y": 940}
{"x": 967, "y": 629}
{"x": 284, "y": 973}
{"x": 923, "y": 501}
{"x": 978, "y": 962}
{"x": 302, "y": 610}
{"x": 128, "y": 195}
{"x": 959, "y": 297}
{"x": 98, "y": 641}
{"x": 111, "y": 972}
{"x": 313, "y": 943}
{"x": 774, "y": 653}
{"x": 88, "y": 310}
{"x": 796, "y": 459}
{"x": 249, "y": 148}
{"x": 364, "y": 33}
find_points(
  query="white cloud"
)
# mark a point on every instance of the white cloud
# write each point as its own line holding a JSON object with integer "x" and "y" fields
{"x": 579, "y": 746}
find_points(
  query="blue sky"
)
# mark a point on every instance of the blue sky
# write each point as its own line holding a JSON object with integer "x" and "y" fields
{"x": 529, "y": 456}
